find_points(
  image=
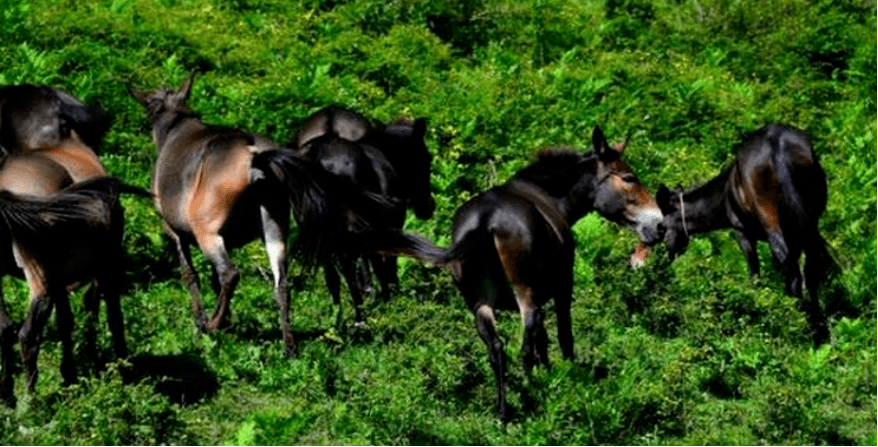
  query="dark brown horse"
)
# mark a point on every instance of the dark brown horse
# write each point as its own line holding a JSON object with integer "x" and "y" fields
{"x": 390, "y": 160}
{"x": 49, "y": 136}
{"x": 775, "y": 191}
{"x": 221, "y": 188}
{"x": 57, "y": 241}
{"x": 36, "y": 117}
{"x": 513, "y": 248}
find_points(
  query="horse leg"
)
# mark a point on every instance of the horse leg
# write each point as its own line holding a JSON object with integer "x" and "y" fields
{"x": 65, "y": 331}
{"x": 7, "y": 361}
{"x": 386, "y": 271}
{"x": 349, "y": 270}
{"x": 748, "y": 246}
{"x": 535, "y": 344}
{"x": 215, "y": 248}
{"x": 274, "y": 230}
{"x": 486, "y": 325}
{"x": 563, "y": 299}
{"x": 816, "y": 265}
{"x": 190, "y": 277}
{"x": 29, "y": 334}
{"x": 91, "y": 306}
{"x": 333, "y": 283}
{"x": 109, "y": 289}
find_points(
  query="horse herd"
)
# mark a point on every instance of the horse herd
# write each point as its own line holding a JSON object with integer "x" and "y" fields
{"x": 348, "y": 182}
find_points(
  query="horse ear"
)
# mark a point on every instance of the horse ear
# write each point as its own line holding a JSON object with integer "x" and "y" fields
{"x": 601, "y": 147}
{"x": 141, "y": 97}
{"x": 420, "y": 127}
{"x": 186, "y": 88}
{"x": 663, "y": 198}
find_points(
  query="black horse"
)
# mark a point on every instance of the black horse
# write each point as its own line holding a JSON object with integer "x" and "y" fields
{"x": 513, "y": 248}
{"x": 391, "y": 160}
{"x": 775, "y": 191}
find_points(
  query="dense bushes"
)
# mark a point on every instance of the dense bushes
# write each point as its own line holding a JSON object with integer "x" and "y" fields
{"x": 683, "y": 352}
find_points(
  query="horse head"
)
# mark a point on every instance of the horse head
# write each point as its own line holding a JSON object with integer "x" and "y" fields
{"x": 673, "y": 224}
{"x": 165, "y": 107}
{"x": 617, "y": 194}
{"x": 412, "y": 162}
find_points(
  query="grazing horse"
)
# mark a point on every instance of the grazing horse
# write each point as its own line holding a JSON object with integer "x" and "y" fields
{"x": 775, "y": 191}
{"x": 221, "y": 188}
{"x": 57, "y": 241}
{"x": 513, "y": 247}
{"x": 390, "y": 160}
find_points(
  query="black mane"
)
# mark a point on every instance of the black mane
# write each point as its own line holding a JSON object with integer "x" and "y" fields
{"x": 556, "y": 170}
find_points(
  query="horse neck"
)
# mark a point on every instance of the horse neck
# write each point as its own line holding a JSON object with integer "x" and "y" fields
{"x": 173, "y": 124}
{"x": 704, "y": 209}
{"x": 580, "y": 200}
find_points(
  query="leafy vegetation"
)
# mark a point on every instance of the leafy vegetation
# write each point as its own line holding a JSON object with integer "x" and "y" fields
{"x": 689, "y": 352}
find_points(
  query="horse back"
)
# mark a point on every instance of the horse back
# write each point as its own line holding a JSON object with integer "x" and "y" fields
{"x": 777, "y": 180}
{"x": 520, "y": 242}
{"x": 342, "y": 123}
{"x": 200, "y": 174}
{"x": 80, "y": 161}
{"x": 32, "y": 174}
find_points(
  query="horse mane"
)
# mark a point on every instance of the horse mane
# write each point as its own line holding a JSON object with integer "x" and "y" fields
{"x": 556, "y": 170}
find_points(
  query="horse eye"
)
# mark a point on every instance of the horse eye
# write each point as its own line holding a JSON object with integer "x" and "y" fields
{"x": 628, "y": 178}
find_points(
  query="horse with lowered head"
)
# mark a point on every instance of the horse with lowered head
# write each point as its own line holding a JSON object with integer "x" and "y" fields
{"x": 775, "y": 191}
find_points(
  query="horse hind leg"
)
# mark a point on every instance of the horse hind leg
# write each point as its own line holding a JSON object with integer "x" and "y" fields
{"x": 65, "y": 331}
{"x": 748, "y": 246}
{"x": 190, "y": 277}
{"x": 486, "y": 324}
{"x": 274, "y": 225}
{"x": 7, "y": 359}
{"x": 30, "y": 333}
{"x": 817, "y": 263}
{"x": 228, "y": 275}
{"x": 349, "y": 270}
{"x": 386, "y": 270}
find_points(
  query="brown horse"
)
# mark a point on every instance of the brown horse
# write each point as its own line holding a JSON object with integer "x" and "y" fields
{"x": 775, "y": 191}
{"x": 389, "y": 160}
{"x": 513, "y": 248}
{"x": 221, "y": 188}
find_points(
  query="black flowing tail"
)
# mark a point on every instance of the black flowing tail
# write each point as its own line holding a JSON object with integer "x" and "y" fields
{"x": 32, "y": 220}
{"x": 397, "y": 243}
{"x": 325, "y": 207}
{"x": 802, "y": 212}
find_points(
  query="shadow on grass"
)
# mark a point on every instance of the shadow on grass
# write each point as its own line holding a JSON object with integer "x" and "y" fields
{"x": 184, "y": 378}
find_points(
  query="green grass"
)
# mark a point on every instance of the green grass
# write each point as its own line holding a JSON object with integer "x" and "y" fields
{"x": 683, "y": 352}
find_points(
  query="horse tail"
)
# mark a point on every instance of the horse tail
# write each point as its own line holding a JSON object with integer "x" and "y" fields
{"x": 37, "y": 222}
{"x": 820, "y": 264}
{"x": 391, "y": 242}
{"x": 283, "y": 168}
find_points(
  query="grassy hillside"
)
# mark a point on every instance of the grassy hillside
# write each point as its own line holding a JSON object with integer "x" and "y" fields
{"x": 689, "y": 352}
